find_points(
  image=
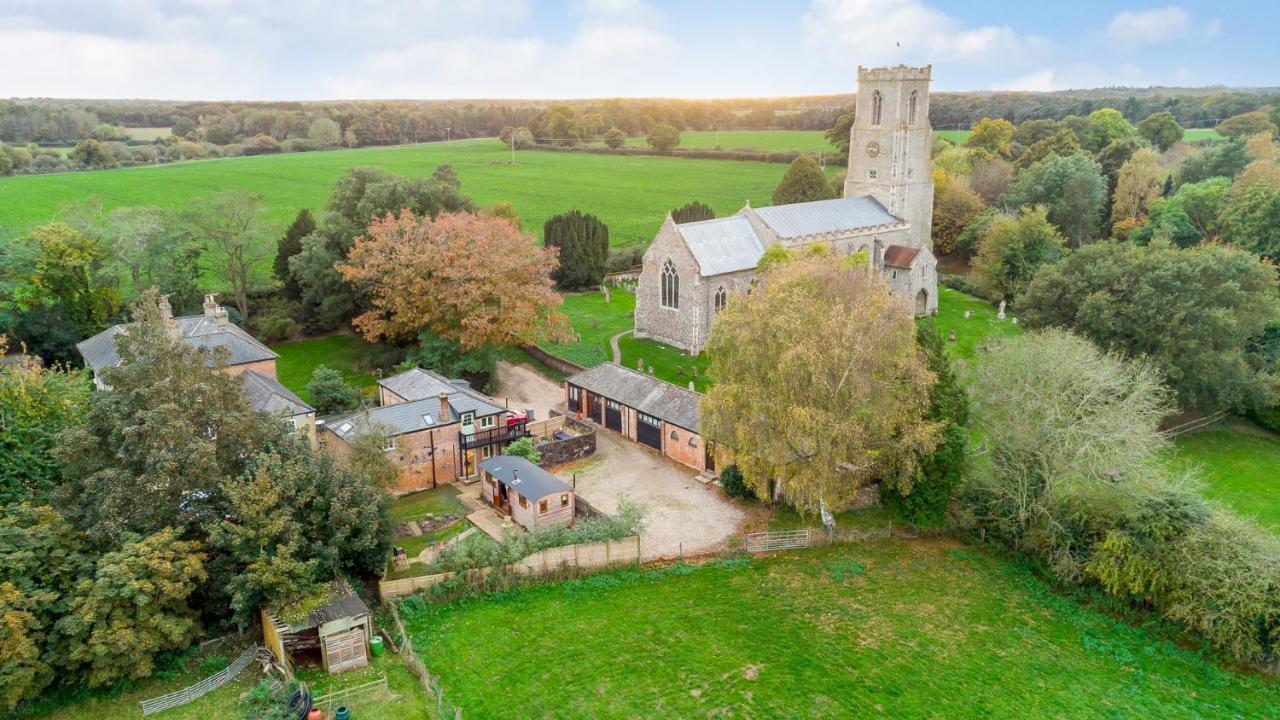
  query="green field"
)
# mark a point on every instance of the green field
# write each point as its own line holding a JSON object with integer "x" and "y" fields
{"x": 1240, "y": 467}
{"x": 956, "y": 136}
{"x": 632, "y": 194}
{"x": 345, "y": 353}
{"x": 1194, "y": 134}
{"x": 900, "y": 629}
{"x": 763, "y": 140}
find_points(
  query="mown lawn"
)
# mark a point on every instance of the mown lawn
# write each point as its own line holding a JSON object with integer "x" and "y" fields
{"x": 631, "y": 194}
{"x": 901, "y": 629}
{"x": 1240, "y": 467}
{"x": 763, "y": 140}
{"x": 595, "y": 321}
{"x": 442, "y": 500}
{"x": 671, "y": 364}
{"x": 970, "y": 331}
{"x": 345, "y": 353}
{"x": 408, "y": 700}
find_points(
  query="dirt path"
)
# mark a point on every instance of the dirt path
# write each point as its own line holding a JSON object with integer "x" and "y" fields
{"x": 522, "y": 387}
{"x": 613, "y": 345}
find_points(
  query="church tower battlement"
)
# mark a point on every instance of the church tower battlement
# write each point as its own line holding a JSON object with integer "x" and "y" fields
{"x": 891, "y": 145}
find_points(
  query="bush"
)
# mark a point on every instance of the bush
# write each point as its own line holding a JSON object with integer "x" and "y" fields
{"x": 734, "y": 485}
{"x": 959, "y": 283}
{"x": 524, "y": 448}
{"x": 275, "y": 327}
{"x": 624, "y": 259}
{"x": 330, "y": 393}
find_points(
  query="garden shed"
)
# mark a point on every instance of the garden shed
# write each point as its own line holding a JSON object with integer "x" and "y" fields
{"x": 532, "y": 496}
{"x": 329, "y": 627}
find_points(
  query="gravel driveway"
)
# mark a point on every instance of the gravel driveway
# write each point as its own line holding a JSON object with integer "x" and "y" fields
{"x": 681, "y": 514}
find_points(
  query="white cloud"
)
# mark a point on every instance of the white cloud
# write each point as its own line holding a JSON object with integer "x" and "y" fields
{"x": 888, "y": 31}
{"x": 1132, "y": 28}
{"x": 1038, "y": 81}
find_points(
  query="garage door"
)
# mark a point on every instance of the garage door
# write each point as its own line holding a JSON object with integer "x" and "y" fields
{"x": 595, "y": 405}
{"x": 649, "y": 431}
{"x": 613, "y": 415}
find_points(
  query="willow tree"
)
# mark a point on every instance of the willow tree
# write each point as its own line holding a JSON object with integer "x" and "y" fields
{"x": 820, "y": 385}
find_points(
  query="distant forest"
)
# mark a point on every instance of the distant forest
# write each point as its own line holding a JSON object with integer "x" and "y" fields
{"x": 362, "y": 123}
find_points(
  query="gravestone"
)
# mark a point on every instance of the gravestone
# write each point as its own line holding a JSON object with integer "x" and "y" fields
{"x": 1000, "y": 315}
{"x": 639, "y": 364}
{"x": 951, "y": 336}
{"x": 968, "y": 314}
{"x": 650, "y": 369}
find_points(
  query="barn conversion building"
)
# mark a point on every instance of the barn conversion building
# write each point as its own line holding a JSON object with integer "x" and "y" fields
{"x": 642, "y": 408}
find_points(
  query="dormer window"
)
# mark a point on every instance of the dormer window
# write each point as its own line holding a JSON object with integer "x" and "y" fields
{"x": 468, "y": 418}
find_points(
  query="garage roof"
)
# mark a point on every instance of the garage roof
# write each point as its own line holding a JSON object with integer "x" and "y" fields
{"x": 646, "y": 393}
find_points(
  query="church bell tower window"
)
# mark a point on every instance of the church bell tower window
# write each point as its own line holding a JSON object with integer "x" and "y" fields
{"x": 911, "y": 108}
{"x": 877, "y": 104}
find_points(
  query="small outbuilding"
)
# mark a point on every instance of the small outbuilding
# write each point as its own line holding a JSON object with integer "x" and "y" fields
{"x": 532, "y": 496}
{"x": 329, "y": 627}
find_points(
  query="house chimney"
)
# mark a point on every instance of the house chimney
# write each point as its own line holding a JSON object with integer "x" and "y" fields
{"x": 166, "y": 310}
{"x": 444, "y": 407}
{"x": 210, "y": 305}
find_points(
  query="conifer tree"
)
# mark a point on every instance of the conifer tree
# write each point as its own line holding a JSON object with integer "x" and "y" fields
{"x": 291, "y": 244}
{"x": 693, "y": 212}
{"x": 583, "y": 243}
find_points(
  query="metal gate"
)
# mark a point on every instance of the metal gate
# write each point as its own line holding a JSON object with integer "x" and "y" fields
{"x": 613, "y": 416}
{"x": 649, "y": 431}
{"x": 778, "y": 540}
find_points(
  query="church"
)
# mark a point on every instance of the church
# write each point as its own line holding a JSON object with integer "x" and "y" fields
{"x": 691, "y": 269}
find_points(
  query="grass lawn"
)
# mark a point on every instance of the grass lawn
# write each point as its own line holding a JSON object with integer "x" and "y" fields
{"x": 1240, "y": 468}
{"x": 122, "y": 700}
{"x": 1194, "y": 134}
{"x": 763, "y": 140}
{"x": 345, "y": 353}
{"x": 958, "y": 137}
{"x": 442, "y": 500}
{"x": 668, "y": 362}
{"x": 630, "y": 194}
{"x": 408, "y": 700}
{"x": 902, "y": 629}
{"x": 970, "y": 331}
{"x": 595, "y": 321}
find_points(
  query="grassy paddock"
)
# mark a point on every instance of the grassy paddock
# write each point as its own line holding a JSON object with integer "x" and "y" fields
{"x": 347, "y": 354}
{"x": 910, "y": 629}
{"x": 631, "y": 194}
{"x": 1240, "y": 467}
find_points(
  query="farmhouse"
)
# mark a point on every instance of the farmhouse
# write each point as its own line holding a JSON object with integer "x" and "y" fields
{"x": 692, "y": 269}
{"x": 438, "y": 430}
{"x": 244, "y": 356}
{"x": 532, "y": 496}
{"x": 642, "y": 408}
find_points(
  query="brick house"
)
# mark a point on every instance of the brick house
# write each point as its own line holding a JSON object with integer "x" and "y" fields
{"x": 246, "y": 357}
{"x": 438, "y": 430}
{"x": 642, "y": 408}
{"x": 532, "y": 496}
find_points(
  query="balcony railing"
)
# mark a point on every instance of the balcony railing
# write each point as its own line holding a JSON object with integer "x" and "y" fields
{"x": 494, "y": 436}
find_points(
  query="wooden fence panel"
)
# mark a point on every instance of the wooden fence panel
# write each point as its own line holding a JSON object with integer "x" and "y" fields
{"x": 200, "y": 689}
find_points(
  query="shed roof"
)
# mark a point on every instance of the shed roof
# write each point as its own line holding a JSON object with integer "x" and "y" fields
{"x": 201, "y": 331}
{"x": 824, "y": 216}
{"x": 266, "y": 394}
{"x": 648, "y": 394}
{"x": 900, "y": 256}
{"x": 523, "y": 476}
{"x": 723, "y": 245}
{"x": 339, "y": 601}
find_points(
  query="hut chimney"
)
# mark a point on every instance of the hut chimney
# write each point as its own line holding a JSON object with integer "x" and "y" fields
{"x": 444, "y": 407}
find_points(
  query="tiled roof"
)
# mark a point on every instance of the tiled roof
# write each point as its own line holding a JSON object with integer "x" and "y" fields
{"x": 523, "y": 476}
{"x": 899, "y": 256}
{"x": 419, "y": 384}
{"x": 266, "y": 394}
{"x": 824, "y": 216}
{"x": 407, "y": 417}
{"x": 723, "y": 245}
{"x": 645, "y": 393}
{"x": 201, "y": 331}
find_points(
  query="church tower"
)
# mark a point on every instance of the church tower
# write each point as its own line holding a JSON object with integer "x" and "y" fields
{"x": 891, "y": 144}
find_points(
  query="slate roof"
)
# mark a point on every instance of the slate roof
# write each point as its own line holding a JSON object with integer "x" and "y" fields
{"x": 419, "y": 384}
{"x": 823, "y": 216}
{"x": 99, "y": 351}
{"x": 523, "y": 476}
{"x": 266, "y": 394}
{"x": 723, "y": 245}
{"x": 407, "y": 417}
{"x": 899, "y": 256}
{"x": 648, "y": 394}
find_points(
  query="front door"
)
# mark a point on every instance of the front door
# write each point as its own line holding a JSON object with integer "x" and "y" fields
{"x": 711, "y": 456}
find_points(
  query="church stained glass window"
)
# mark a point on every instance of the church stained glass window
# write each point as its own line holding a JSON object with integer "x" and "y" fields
{"x": 670, "y": 285}
{"x": 721, "y": 298}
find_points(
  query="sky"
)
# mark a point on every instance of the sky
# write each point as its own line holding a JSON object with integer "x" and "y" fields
{"x": 440, "y": 49}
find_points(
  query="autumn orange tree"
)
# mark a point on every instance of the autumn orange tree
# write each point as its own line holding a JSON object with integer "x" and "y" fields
{"x": 474, "y": 279}
{"x": 820, "y": 385}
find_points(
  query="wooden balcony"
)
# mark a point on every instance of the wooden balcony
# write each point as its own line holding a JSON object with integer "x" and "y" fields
{"x": 493, "y": 436}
